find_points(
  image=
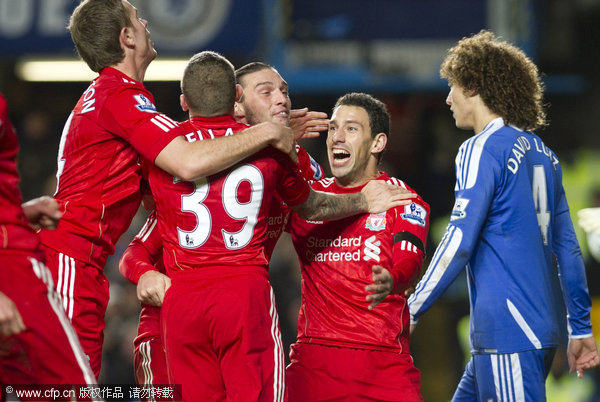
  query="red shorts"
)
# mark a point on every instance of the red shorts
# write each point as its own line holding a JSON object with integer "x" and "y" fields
{"x": 47, "y": 351}
{"x": 83, "y": 290}
{"x": 222, "y": 337}
{"x": 318, "y": 373}
{"x": 149, "y": 361}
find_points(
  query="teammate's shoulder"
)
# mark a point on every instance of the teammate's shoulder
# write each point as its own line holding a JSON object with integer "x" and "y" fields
{"x": 397, "y": 182}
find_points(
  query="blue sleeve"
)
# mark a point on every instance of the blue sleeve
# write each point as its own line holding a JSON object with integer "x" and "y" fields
{"x": 571, "y": 269}
{"x": 477, "y": 174}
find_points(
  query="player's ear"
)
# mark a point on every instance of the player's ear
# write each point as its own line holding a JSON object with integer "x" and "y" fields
{"x": 183, "y": 103}
{"x": 239, "y": 113}
{"x": 239, "y": 92}
{"x": 379, "y": 143}
{"x": 126, "y": 37}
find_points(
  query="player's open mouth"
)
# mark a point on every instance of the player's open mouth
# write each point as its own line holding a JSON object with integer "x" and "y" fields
{"x": 340, "y": 155}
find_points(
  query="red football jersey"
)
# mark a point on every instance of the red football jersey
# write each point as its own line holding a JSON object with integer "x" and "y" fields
{"x": 279, "y": 213}
{"x": 98, "y": 175}
{"x": 143, "y": 254}
{"x": 222, "y": 220}
{"x": 336, "y": 259}
{"x": 15, "y": 232}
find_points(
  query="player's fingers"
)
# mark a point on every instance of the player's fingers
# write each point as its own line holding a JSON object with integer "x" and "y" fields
{"x": 310, "y": 134}
{"x": 371, "y": 288}
{"x": 295, "y": 113}
{"x": 47, "y": 223}
{"x": 572, "y": 363}
{"x": 321, "y": 123}
{"x": 12, "y": 327}
{"x": 49, "y": 206}
{"x": 375, "y": 303}
{"x": 148, "y": 296}
{"x": 376, "y": 269}
{"x": 399, "y": 203}
{"x": 317, "y": 115}
{"x": 19, "y": 324}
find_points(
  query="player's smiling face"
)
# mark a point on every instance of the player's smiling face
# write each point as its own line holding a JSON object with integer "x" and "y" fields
{"x": 349, "y": 145}
{"x": 265, "y": 98}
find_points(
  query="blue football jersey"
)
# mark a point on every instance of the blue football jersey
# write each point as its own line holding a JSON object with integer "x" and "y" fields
{"x": 509, "y": 219}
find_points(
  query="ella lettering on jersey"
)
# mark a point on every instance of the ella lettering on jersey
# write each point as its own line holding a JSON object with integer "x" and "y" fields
{"x": 199, "y": 135}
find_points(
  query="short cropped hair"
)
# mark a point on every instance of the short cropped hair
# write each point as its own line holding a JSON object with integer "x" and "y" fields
{"x": 208, "y": 84}
{"x": 379, "y": 118}
{"x": 95, "y": 26}
{"x": 506, "y": 79}
{"x": 249, "y": 69}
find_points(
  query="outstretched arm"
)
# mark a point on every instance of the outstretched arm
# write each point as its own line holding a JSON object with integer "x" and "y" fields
{"x": 376, "y": 196}
{"x": 191, "y": 161}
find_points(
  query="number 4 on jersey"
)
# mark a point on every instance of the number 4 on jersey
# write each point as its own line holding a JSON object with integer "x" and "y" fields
{"x": 540, "y": 199}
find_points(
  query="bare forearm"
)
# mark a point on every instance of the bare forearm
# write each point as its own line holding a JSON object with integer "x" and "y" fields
{"x": 323, "y": 206}
{"x": 191, "y": 161}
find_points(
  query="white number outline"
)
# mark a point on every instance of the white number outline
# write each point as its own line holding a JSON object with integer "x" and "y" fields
{"x": 540, "y": 200}
{"x": 246, "y": 211}
{"x": 193, "y": 203}
{"x": 61, "y": 149}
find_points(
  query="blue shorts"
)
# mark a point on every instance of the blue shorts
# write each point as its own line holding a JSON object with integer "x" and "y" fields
{"x": 506, "y": 377}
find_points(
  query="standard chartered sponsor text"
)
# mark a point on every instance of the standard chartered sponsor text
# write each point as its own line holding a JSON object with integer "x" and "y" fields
{"x": 331, "y": 255}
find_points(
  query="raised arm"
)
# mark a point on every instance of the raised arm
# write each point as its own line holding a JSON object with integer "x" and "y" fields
{"x": 191, "y": 161}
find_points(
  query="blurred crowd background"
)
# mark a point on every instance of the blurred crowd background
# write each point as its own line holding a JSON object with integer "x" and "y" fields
{"x": 389, "y": 48}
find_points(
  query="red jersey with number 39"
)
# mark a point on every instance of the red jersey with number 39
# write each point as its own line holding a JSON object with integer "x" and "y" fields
{"x": 336, "y": 259}
{"x": 98, "y": 176}
{"x": 222, "y": 220}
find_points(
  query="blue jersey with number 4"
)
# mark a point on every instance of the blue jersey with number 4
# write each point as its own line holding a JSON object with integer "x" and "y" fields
{"x": 509, "y": 218}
